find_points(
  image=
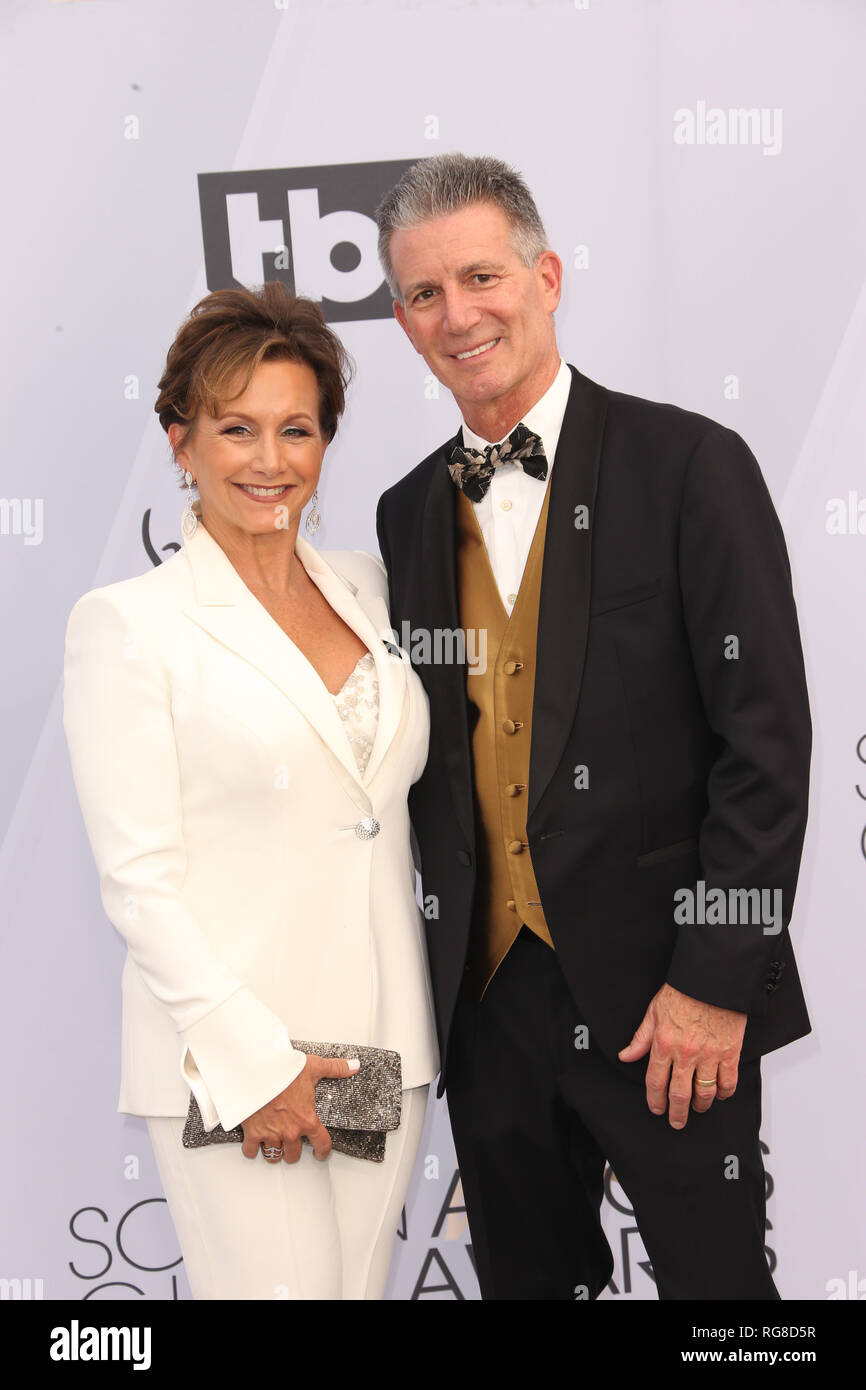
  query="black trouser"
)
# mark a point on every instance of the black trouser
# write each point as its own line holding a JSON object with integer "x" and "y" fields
{"x": 534, "y": 1118}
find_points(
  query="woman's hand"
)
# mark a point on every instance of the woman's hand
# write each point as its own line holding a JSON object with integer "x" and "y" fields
{"x": 281, "y": 1123}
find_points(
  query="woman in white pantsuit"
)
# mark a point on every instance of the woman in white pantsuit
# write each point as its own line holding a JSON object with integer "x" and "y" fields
{"x": 242, "y": 741}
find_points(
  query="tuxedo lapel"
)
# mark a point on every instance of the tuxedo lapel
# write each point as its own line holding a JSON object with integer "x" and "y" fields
{"x": 437, "y": 607}
{"x": 230, "y": 612}
{"x": 563, "y": 618}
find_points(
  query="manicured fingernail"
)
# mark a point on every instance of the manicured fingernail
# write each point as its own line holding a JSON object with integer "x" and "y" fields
{"x": 354, "y": 1063}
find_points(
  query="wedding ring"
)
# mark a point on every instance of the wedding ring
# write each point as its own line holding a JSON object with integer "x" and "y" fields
{"x": 271, "y": 1153}
{"x": 699, "y": 1082}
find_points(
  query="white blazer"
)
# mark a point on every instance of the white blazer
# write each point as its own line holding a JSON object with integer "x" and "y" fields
{"x": 221, "y": 795}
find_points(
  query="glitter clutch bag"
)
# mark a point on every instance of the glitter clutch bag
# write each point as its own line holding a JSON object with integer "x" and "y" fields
{"x": 357, "y": 1111}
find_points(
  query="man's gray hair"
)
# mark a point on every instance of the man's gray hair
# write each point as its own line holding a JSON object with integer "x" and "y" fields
{"x": 444, "y": 183}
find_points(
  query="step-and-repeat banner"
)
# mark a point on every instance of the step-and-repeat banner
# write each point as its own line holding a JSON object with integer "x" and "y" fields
{"x": 698, "y": 169}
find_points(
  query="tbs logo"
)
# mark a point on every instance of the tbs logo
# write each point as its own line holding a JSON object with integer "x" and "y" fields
{"x": 314, "y": 229}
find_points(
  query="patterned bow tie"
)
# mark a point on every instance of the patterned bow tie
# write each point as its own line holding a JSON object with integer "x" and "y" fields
{"x": 472, "y": 470}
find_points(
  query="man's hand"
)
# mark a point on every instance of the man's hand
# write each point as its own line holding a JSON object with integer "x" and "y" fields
{"x": 698, "y": 1041}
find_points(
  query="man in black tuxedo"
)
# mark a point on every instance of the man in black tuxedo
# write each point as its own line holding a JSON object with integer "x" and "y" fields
{"x": 630, "y": 594}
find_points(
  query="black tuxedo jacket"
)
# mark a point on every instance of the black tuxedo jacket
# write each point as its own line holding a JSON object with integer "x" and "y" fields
{"x": 669, "y": 666}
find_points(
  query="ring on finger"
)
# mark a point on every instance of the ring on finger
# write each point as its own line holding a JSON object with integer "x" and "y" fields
{"x": 699, "y": 1082}
{"x": 271, "y": 1153}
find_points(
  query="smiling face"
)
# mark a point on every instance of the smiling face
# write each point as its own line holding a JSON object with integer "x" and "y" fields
{"x": 480, "y": 318}
{"x": 257, "y": 463}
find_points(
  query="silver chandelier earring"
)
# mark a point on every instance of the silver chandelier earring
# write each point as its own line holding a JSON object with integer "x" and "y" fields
{"x": 190, "y": 520}
{"x": 314, "y": 516}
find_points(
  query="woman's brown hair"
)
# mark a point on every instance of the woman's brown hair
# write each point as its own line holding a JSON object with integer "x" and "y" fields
{"x": 230, "y": 332}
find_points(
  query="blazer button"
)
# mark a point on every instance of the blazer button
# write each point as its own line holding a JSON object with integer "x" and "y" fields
{"x": 515, "y": 788}
{"x": 511, "y": 905}
{"x": 515, "y": 846}
{"x": 510, "y": 726}
{"x": 464, "y": 857}
{"x": 511, "y": 667}
{"x": 368, "y": 828}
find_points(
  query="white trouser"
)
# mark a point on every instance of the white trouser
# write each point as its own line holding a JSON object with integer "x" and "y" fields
{"x": 307, "y": 1230}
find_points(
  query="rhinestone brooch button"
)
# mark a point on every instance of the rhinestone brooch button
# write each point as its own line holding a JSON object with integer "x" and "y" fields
{"x": 368, "y": 828}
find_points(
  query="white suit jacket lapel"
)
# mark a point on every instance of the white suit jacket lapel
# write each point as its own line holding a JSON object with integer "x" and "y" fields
{"x": 367, "y": 615}
{"x": 231, "y": 613}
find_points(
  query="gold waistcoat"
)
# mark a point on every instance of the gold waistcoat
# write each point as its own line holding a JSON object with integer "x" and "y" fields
{"x": 506, "y": 894}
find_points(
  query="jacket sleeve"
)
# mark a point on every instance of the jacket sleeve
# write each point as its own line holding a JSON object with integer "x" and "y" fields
{"x": 234, "y": 1052}
{"x": 741, "y": 620}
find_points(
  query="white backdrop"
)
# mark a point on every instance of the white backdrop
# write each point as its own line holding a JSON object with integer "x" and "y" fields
{"x": 712, "y": 259}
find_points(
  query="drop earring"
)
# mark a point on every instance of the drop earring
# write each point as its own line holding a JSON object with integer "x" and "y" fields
{"x": 190, "y": 520}
{"x": 314, "y": 516}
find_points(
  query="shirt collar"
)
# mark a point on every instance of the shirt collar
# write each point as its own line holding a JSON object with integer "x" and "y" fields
{"x": 544, "y": 418}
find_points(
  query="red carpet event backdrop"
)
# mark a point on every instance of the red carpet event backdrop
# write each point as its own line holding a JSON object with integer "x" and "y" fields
{"x": 698, "y": 170}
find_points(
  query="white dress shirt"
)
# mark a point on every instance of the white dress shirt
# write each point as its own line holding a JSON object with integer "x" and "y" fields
{"x": 509, "y": 510}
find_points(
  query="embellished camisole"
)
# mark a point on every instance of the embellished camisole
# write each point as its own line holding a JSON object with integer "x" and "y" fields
{"x": 357, "y": 703}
